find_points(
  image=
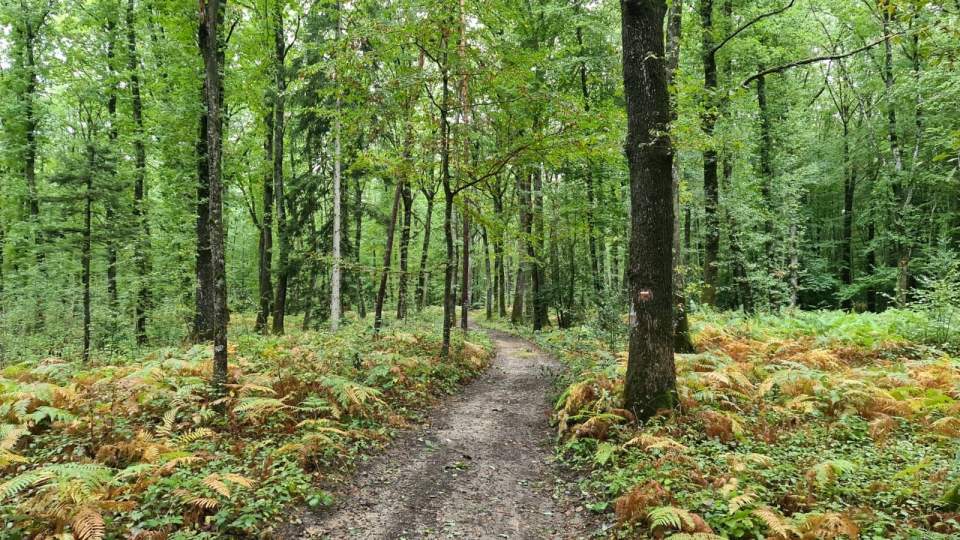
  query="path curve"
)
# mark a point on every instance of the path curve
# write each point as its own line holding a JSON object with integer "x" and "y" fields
{"x": 480, "y": 467}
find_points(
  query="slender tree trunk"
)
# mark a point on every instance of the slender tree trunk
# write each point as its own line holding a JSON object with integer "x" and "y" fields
{"x": 681, "y": 326}
{"x": 523, "y": 188}
{"x": 283, "y": 225}
{"x": 407, "y": 198}
{"x": 591, "y": 196}
{"x": 265, "y": 246}
{"x": 766, "y": 175}
{"x": 490, "y": 280}
{"x": 86, "y": 249}
{"x": 112, "y": 291}
{"x": 212, "y": 17}
{"x": 448, "y": 196}
{"x": 849, "y": 189}
{"x": 540, "y": 315}
{"x": 203, "y": 314}
{"x": 30, "y": 121}
{"x": 708, "y": 122}
{"x": 650, "y": 382}
{"x": 335, "y": 271}
{"x": 499, "y": 256}
{"x": 139, "y": 186}
{"x": 425, "y": 252}
{"x": 357, "y": 237}
{"x": 901, "y": 244}
{"x": 387, "y": 258}
{"x": 465, "y": 283}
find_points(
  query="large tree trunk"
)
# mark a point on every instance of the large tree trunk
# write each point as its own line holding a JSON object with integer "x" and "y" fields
{"x": 212, "y": 17}
{"x": 283, "y": 225}
{"x": 650, "y": 382}
{"x": 708, "y": 121}
{"x": 265, "y": 244}
{"x": 139, "y": 184}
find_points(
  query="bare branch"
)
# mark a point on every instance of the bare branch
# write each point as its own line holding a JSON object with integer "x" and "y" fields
{"x": 750, "y": 23}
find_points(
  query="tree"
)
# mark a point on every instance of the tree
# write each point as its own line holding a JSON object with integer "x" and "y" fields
{"x": 211, "y": 17}
{"x": 650, "y": 382}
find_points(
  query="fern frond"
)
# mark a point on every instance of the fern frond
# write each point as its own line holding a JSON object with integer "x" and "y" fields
{"x": 647, "y": 442}
{"x": 88, "y": 524}
{"x": 736, "y": 503}
{"x": 670, "y": 516}
{"x": 193, "y": 436}
{"x": 238, "y": 479}
{"x": 775, "y": 523}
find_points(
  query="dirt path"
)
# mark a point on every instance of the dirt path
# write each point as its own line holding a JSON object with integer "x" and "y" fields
{"x": 481, "y": 467}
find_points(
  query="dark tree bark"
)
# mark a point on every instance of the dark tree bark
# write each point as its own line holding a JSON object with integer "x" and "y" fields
{"x": 588, "y": 179}
{"x": 499, "y": 263}
{"x": 708, "y": 122}
{"x": 540, "y": 315}
{"x": 85, "y": 253}
{"x": 407, "y": 198}
{"x": 142, "y": 256}
{"x": 387, "y": 258}
{"x": 766, "y": 176}
{"x": 465, "y": 277}
{"x": 283, "y": 225}
{"x": 448, "y": 196}
{"x": 490, "y": 280}
{"x": 523, "y": 195}
{"x": 425, "y": 250}
{"x": 681, "y": 326}
{"x": 112, "y": 291}
{"x": 849, "y": 190}
{"x": 357, "y": 237}
{"x": 650, "y": 382}
{"x": 265, "y": 243}
{"x": 211, "y": 19}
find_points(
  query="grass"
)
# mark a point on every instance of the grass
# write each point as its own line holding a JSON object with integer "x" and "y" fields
{"x": 139, "y": 448}
{"x": 804, "y": 425}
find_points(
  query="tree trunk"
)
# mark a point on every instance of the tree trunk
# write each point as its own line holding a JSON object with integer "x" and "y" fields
{"x": 650, "y": 382}
{"x": 490, "y": 280}
{"x": 425, "y": 252}
{"x": 142, "y": 249}
{"x": 212, "y": 17}
{"x": 265, "y": 245}
{"x": 523, "y": 188}
{"x": 407, "y": 198}
{"x": 86, "y": 249}
{"x": 387, "y": 258}
{"x": 31, "y": 124}
{"x": 849, "y": 189}
{"x": 681, "y": 326}
{"x": 448, "y": 195}
{"x": 465, "y": 278}
{"x": 766, "y": 175}
{"x": 588, "y": 179}
{"x": 335, "y": 272}
{"x": 711, "y": 193}
{"x": 112, "y": 291}
{"x": 283, "y": 225}
{"x": 540, "y": 315}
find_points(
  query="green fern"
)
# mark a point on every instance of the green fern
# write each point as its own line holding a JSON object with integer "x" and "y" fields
{"x": 670, "y": 516}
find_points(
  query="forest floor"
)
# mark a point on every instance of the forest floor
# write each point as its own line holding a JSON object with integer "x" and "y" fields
{"x": 481, "y": 466}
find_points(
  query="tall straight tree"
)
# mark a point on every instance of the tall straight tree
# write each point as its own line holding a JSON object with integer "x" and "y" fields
{"x": 650, "y": 382}
{"x": 139, "y": 182}
{"x": 211, "y": 13}
{"x": 335, "y": 273}
{"x": 279, "y": 191}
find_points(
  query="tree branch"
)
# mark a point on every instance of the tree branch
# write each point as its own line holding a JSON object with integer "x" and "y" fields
{"x": 815, "y": 59}
{"x": 750, "y": 23}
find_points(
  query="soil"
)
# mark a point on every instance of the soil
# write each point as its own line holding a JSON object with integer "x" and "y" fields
{"x": 481, "y": 466}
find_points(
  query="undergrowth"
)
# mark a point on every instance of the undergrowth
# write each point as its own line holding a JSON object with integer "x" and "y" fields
{"x": 141, "y": 450}
{"x": 801, "y": 426}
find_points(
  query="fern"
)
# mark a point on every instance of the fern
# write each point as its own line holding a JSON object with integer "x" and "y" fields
{"x": 670, "y": 516}
{"x": 828, "y": 471}
{"x": 776, "y": 524}
{"x": 88, "y": 524}
{"x": 352, "y": 395}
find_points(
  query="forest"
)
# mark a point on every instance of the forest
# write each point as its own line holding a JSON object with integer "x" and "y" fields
{"x": 345, "y": 268}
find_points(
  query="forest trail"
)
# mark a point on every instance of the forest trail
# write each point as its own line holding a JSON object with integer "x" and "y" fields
{"x": 480, "y": 467}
